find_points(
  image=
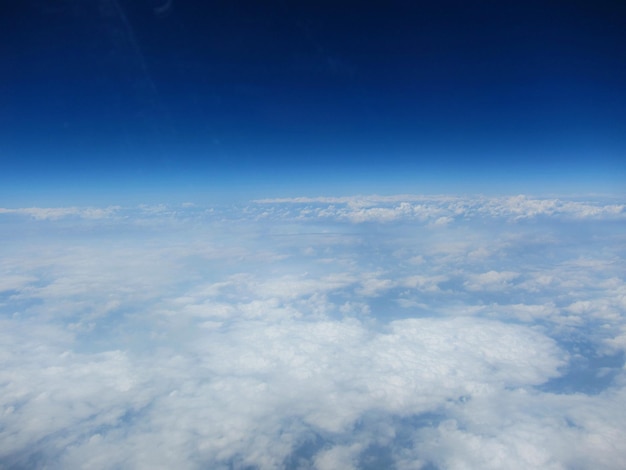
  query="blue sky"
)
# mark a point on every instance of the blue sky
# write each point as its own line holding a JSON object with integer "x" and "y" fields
{"x": 411, "y": 95}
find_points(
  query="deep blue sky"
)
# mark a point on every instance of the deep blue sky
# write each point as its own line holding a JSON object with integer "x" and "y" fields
{"x": 129, "y": 91}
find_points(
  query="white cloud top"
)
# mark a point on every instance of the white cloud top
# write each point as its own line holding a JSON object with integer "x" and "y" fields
{"x": 367, "y": 332}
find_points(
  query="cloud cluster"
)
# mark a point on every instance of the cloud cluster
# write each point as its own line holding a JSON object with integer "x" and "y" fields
{"x": 231, "y": 392}
{"x": 440, "y": 210}
{"x": 442, "y": 333}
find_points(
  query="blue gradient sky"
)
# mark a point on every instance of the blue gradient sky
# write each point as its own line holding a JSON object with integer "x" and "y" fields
{"x": 119, "y": 97}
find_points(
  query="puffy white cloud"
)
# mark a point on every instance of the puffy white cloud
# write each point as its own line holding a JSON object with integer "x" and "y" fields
{"x": 233, "y": 392}
{"x": 402, "y": 331}
{"x": 526, "y": 430}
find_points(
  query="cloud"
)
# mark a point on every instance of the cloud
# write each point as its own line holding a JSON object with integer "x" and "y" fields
{"x": 491, "y": 280}
{"x": 15, "y": 282}
{"x": 53, "y": 213}
{"x": 529, "y": 430}
{"x": 442, "y": 210}
{"x": 357, "y": 332}
{"x": 280, "y": 379}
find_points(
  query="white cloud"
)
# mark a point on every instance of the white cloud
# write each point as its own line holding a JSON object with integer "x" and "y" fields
{"x": 53, "y": 213}
{"x": 491, "y": 280}
{"x": 518, "y": 429}
{"x": 338, "y": 457}
{"x": 441, "y": 210}
{"x": 15, "y": 282}
{"x": 270, "y": 377}
{"x": 315, "y": 333}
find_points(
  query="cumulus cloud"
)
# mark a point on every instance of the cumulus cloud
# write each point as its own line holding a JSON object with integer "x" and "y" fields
{"x": 232, "y": 391}
{"x": 356, "y": 332}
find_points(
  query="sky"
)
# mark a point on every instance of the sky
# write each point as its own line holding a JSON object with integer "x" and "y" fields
{"x": 120, "y": 96}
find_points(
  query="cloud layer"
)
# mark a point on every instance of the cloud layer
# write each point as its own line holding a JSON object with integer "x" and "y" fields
{"x": 365, "y": 332}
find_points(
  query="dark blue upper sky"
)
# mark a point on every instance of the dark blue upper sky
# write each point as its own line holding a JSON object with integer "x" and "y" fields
{"x": 493, "y": 90}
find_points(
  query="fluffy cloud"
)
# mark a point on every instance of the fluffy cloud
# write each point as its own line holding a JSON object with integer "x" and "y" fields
{"x": 360, "y": 332}
{"x": 229, "y": 393}
{"x": 441, "y": 210}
